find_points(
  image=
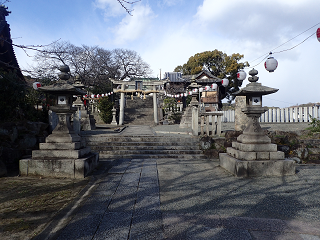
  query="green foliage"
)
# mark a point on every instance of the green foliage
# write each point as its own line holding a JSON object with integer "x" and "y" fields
{"x": 35, "y": 98}
{"x": 315, "y": 125}
{"x": 105, "y": 106}
{"x": 169, "y": 103}
{"x": 219, "y": 64}
{"x": 176, "y": 117}
{"x": 12, "y": 92}
{"x": 18, "y": 100}
{"x": 188, "y": 100}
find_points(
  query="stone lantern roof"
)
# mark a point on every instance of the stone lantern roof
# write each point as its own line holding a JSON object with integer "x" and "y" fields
{"x": 62, "y": 86}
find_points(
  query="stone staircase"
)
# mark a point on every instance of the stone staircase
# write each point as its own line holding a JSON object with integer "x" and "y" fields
{"x": 145, "y": 146}
{"x": 139, "y": 111}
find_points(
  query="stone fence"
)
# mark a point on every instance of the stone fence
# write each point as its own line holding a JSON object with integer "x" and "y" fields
{"x": 210, "y": 123}
{"x": 281, "y": 115}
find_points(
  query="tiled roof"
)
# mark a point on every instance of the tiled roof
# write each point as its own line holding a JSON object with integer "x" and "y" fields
{"x": 198, "y": 79}
{"x": 8, "y": 59}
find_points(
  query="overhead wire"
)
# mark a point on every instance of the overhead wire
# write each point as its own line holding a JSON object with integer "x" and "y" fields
{"x": 271, "y": 52}
{"x": 296, "y": 45}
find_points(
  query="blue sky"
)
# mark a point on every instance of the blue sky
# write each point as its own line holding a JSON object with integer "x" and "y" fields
{"x": 167, "y": 32}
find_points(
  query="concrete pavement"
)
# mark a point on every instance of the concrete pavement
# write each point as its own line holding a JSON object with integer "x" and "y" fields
{"x": 191, "y": 199}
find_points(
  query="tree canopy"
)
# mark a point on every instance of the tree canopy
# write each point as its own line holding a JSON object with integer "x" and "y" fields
{"x": 219, "y": 64}
{"x": 94, "y": 65}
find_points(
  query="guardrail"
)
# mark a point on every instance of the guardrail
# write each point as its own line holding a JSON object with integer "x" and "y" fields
{"x": 281, "y": 115}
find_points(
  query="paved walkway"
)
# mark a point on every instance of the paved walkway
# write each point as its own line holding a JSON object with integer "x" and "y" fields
{"x": 191, "y": 199}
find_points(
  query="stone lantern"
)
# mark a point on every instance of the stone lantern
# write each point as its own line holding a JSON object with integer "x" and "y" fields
{"x": 63, "y": 97}
{"x": 85, "y": 120}
{"x": 64, "y": 153}
{"x": 194, "y": 88}
{"x": 253, "y": 154}
{"x": 195, "y": 107}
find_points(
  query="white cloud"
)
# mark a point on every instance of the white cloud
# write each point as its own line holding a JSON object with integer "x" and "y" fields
{"x": 258, "y": 24}
{"x": 264, "y": 21}
{"x": 112, "y": 7}
{"x": 134, "y": 27}
{"x": 171, "y": 2}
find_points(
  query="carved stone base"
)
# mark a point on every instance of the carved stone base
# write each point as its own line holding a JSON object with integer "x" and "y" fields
{"x": 61, "y": 168}
{"x": 258, "y": 168}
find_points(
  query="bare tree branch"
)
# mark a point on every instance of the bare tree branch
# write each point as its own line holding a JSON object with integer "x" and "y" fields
{"x": 94, "y": 65}
{"x": 123, "y": 4}
{"x": 3, "y": 2}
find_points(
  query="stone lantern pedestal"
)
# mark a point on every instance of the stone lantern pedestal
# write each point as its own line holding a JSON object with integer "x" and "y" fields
{"x": 253, "y": 154}
{"x": 64, "y": 153}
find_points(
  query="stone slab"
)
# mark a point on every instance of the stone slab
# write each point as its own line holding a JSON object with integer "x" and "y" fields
{"x": 58, "y": 146}
{"x": 263, "y": 155}
{"x": 253, "y": 138}
{"x": 64, "y": 153}
{"x": 241, "y": 168}
{"x": 63, "y": 138}
{"x": 276, "y": 155}
{"x": 80, "y": 228}
{"x": 68, "y": 168}
{"x": 240, "y": 119}
{"x": 252, "y": 156}
{"x": 255, "y": 147}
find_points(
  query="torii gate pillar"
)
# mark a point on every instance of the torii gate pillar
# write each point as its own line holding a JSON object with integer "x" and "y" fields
{"x": 122, "y": 102}
{"x": 155, "y": 106}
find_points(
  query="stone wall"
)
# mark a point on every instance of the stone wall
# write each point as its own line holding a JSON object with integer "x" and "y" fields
{"x": 302, "y": 146}
{"x": 18, "y": 140}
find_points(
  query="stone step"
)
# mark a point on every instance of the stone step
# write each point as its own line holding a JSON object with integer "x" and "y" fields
{"x": 140, "y": 139}
{"x": 185, "y": 145}
{"x": 153, "y": 156}
{"x": 142, "y": 148}
{"x": 149, "y": 152}
{"x": 140, "y": 110}
{"x": 145, "y": 146}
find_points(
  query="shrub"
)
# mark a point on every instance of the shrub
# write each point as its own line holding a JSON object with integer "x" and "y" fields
{"x": 105, "y": 106}
{"x": 315, "y": 125}
{"x": 169, "y": 103}
{"x": 176, "y": 117}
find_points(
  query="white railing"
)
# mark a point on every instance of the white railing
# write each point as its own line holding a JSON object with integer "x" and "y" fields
{"x": 228, "y": 116}
{"x": 210, "y": 123}
{"x": 281, "y": 115}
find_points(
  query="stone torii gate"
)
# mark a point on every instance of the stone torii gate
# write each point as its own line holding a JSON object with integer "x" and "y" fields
{"x": 123, "y": 90}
